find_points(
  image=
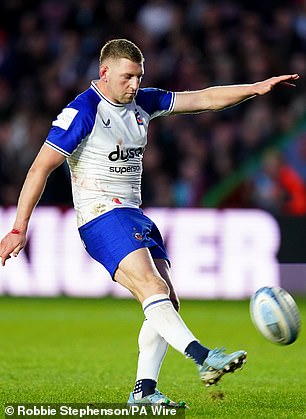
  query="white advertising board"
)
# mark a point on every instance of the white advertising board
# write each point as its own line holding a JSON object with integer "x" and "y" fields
{"x": 214, "y": 254}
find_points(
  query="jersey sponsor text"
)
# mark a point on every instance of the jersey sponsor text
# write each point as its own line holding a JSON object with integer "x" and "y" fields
{"x": 125, "y": 155}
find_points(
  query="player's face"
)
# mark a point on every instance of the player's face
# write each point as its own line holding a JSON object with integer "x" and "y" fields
{"x": 122, "y": 79}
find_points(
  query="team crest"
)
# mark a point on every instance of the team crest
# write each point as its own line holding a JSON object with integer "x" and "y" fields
{"x": 138, "y": 236}
{"x": 138, "y": 118}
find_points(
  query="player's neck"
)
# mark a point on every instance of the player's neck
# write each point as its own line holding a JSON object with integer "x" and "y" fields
{"x": 102, "y": 88}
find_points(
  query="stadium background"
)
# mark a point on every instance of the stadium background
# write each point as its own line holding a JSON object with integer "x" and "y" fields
{"x": 250, "y": 156}
{"x": 66, "y": 349}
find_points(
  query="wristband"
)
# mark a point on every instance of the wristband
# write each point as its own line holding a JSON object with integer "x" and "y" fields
{"x": 15, "y": 231}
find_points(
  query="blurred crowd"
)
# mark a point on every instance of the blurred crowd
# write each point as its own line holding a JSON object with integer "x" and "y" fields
{"x": 49, "y": 52}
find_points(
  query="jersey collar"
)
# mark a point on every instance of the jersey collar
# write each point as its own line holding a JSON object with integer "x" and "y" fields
{"x": 95, "y": 88}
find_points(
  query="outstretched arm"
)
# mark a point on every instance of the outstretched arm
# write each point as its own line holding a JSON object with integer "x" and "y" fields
{"x": 221, "y": 97}
{"x": 46, "y": 161}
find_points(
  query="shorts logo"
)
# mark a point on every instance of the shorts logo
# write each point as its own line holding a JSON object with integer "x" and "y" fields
{"x": 138, "y": 236}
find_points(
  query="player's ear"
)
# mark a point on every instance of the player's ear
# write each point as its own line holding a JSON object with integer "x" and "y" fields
{"x": 103, "y": 72}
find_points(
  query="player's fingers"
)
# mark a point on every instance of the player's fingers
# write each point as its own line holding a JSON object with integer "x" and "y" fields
{"x": 288, "y": 79}
{"x": 289, "y": 76}
{"x": 17, "y": 250}
{"x": 286, "y": 83}
{"x": 4, "y": 259}
{"x": 283, "y": 80}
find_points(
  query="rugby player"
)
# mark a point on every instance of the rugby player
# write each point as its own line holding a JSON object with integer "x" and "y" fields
{"x": 103, "y": 134}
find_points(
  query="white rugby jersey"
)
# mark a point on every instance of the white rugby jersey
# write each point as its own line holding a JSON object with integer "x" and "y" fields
{"x": 104, "y": 143}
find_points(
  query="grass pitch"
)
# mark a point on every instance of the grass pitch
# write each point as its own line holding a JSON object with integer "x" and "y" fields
{"x": 85, "y": 350}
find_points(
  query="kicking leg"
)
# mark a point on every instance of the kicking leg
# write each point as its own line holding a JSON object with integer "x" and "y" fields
{"x": 138, "y": 273}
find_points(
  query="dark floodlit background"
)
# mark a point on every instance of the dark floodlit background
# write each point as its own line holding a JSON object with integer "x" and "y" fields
{"x": 250, "y": 156}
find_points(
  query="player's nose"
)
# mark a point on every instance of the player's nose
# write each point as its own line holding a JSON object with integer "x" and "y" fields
{"x": 134, "y": 83}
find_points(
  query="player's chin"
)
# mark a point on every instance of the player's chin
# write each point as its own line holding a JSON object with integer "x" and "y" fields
{"x": 127, "y": 98}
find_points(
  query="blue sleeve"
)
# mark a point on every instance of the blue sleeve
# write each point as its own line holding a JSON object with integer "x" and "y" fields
{"x": 74, "y": 123}
{"x": 155, "y": 102}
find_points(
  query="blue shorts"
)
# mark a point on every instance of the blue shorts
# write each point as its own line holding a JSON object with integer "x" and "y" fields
{"x": 113, "y": 235}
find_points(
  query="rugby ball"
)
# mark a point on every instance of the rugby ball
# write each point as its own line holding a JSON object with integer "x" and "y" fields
{"x": 275, "y": 315}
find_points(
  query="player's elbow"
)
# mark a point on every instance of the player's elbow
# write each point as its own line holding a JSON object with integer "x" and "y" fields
{"x": 39, "y": 170}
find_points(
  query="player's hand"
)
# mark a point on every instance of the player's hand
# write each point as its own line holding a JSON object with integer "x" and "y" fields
{"x": 265, "y": 86}
{"x": 11, "y": 244}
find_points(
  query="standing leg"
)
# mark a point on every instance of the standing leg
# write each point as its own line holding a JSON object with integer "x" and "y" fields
{"x": 152, "y": 350}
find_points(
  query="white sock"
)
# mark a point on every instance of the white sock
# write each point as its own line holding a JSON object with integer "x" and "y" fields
{"x": 152, "y": 350}
{"x": 163, "y": 317}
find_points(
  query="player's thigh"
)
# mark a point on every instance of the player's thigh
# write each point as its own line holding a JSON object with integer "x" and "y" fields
{"x": 138, "y": 273}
